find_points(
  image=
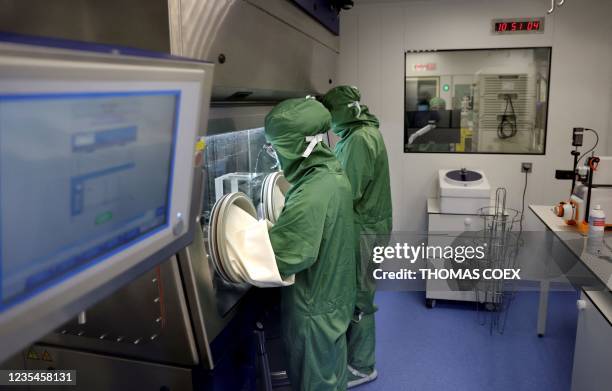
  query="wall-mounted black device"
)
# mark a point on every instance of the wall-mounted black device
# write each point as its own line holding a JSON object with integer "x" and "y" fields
{"x": 577, "y": 136}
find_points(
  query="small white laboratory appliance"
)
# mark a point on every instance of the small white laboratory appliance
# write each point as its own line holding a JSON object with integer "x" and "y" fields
{"x": 463, "y": 191}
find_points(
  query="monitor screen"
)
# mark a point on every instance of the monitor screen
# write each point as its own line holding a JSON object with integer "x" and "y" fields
{"x": 76, "y": 180}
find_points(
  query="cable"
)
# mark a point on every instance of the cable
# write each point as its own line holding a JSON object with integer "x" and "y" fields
{"x": 509, "y": 119}
{"x": 523, "y": 204}
{"x": 592, "y": 149}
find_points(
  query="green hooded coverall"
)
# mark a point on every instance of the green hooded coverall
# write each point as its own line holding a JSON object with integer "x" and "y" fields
{"x": 362, "y": 153}
{"x": 313, "y": 239}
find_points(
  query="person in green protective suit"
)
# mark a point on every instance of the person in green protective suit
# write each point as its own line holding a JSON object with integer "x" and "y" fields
{"x": 312, "y": 239}
{"x": 436, "y": 103}
{"x": 362, "y": 153}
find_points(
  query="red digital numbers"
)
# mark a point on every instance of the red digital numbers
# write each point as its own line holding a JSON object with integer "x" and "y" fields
{"x": 521, "y": 25}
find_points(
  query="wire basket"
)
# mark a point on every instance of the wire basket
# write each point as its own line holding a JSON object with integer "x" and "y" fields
{"x": 501, "y": 238}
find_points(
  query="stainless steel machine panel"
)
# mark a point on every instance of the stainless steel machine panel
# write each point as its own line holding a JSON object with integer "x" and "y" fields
{"x": 135, "y": 23}
{"x": 95, "y": 372}
{"x": 146, "y": 319}
{"x": 258, "y": 54}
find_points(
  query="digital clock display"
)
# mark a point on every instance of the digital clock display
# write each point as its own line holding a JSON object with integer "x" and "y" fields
{"x": 524, "y": 25}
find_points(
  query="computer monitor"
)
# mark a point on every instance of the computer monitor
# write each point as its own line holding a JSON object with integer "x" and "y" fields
{"x": 97, "y": 170}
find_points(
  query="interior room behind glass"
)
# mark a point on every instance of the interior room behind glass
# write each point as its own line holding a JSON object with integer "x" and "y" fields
{"x": 477, "y": 101}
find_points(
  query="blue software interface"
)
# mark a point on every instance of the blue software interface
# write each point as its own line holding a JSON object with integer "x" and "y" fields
{"x": 81, "y": 176}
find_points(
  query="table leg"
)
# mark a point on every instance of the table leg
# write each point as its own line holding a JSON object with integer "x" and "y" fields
{"x": 545, "y": 285}
{"x": 543, "y": 307}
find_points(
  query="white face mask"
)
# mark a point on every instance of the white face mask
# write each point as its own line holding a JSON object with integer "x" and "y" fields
{"x": 313, "y": 141}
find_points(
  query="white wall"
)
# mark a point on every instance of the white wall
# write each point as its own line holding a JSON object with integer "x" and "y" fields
{"x": 375, "y": 34}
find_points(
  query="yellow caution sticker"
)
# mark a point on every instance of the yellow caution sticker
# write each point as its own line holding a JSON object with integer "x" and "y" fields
{"x": 32, "y": 355}
{"x": 46, "y": 356}
{"x": 199, "y": 152}
{"x": 200, "y": 145}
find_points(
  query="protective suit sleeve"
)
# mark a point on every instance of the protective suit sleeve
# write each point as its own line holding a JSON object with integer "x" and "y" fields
{"x": 296, "y": 237}
{"x": 356, "y": 157}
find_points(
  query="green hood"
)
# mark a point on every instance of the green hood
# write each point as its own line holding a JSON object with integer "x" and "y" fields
{"x": 288, "y": 125}
{"x": 346, "y": 115}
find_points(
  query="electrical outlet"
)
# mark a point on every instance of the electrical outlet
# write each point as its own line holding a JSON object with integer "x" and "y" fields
{"x": 526, "y": 167}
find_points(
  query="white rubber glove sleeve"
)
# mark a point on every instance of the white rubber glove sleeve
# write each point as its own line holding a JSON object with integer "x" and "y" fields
{"x": 250, "y": 252}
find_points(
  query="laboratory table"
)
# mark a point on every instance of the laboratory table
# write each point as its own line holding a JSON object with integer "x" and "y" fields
{"x": 593, "y": 347}
{"x": 598, "y": 264}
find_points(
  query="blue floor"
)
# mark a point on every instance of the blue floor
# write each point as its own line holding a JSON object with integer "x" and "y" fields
{"x": 446, "y": 349}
